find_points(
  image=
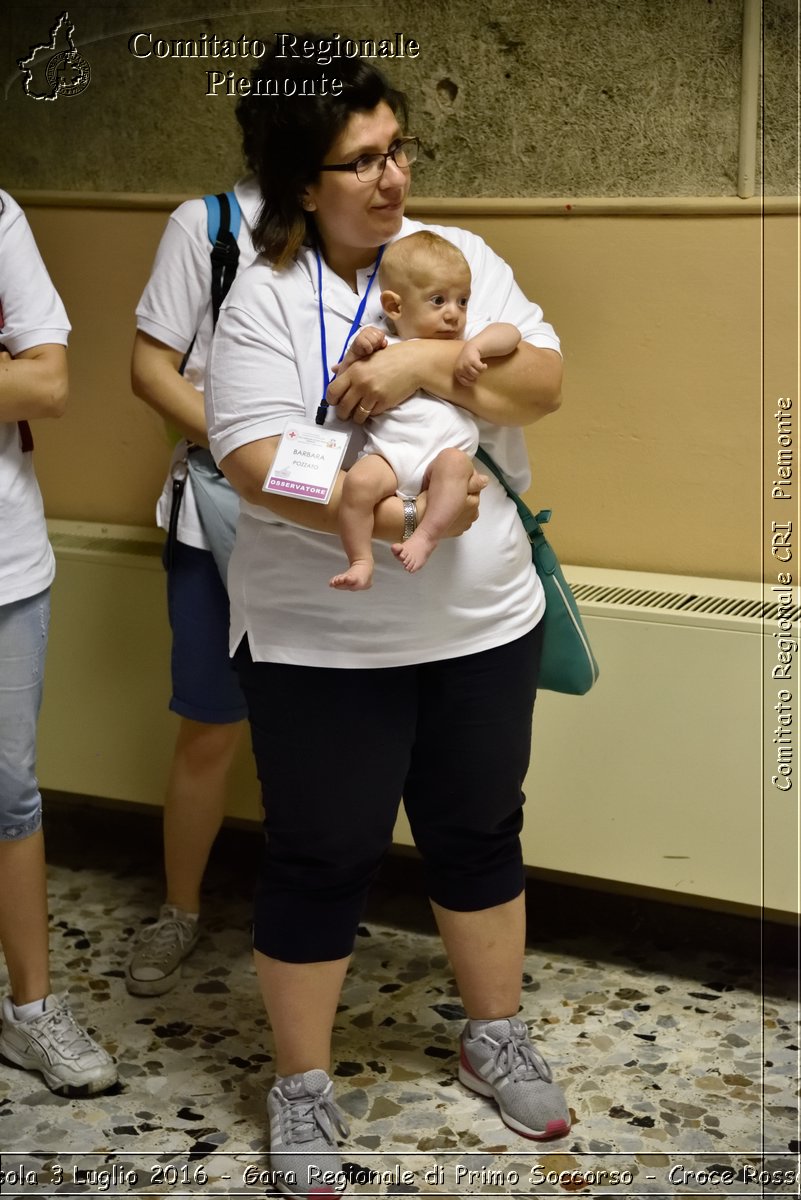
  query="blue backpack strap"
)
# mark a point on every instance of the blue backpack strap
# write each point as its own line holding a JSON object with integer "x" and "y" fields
{"x": 236, "y": 214}
{"x": 213, "y": 215}
{"x": 223, "y": 220}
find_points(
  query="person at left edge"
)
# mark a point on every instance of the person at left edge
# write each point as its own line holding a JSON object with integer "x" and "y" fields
{"x": 39, "y": 1032}
{"x": 175, "y": 325}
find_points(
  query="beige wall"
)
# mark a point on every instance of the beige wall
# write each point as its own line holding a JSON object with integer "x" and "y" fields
{"x": 653, "y": 461}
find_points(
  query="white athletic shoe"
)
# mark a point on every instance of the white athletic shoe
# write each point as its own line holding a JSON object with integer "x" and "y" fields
{"x": 54, "y": 1044}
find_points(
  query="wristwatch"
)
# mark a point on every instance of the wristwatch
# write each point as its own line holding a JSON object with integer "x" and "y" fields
{"x": 409, "y": 519}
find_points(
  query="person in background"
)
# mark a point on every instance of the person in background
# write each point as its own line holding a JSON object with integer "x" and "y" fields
{"x": 431, "y": 676}
{"x": 175, "y": 324}
{"x": 39, "y": 1031}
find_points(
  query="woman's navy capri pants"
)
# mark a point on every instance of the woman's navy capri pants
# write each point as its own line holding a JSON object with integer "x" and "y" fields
{"x": 336, "y": 749}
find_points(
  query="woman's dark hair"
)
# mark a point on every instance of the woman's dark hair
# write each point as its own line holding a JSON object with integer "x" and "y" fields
{"x": 289, "y": 121}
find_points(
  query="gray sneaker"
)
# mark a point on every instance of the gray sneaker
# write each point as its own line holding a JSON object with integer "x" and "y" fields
{"x": 55, "y": 1045}
{"x": 155, "y": 964}
{"x": 499, "y": 1061}
{"x": 304, "y": 1124}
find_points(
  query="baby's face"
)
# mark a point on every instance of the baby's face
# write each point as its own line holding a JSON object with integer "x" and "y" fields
{"x": 436, "y": 308}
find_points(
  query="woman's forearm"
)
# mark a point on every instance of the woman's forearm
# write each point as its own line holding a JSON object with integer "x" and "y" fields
{"x": 34, "y": 384}
{"x": 156, "y": 379}
{"x": 247, "y": 467}
{"x": 515, "y": 390}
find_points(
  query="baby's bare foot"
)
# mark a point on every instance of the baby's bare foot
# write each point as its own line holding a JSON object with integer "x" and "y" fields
{"x": 416, "y": 552}
{"x": 357, "y": 578}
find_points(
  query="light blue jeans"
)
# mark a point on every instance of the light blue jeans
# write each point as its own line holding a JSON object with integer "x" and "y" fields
{"x": 23, "y": 642}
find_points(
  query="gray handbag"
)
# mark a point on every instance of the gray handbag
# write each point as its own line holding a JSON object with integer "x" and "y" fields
{"x": 217, "y": 502}
{"x": 217, "y": 505}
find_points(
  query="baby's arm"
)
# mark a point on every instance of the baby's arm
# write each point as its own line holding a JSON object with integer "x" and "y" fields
{"x": 366, "y": 342}
{"x": 495, "y": 341}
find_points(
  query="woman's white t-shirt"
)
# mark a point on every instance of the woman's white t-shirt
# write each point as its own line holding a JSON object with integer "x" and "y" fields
{"x": 175, "y": 309}
{"x": 477, "y": 591}
{"x": 32, "y": 315}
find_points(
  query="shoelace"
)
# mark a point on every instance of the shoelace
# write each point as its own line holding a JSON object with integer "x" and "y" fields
{"x": 306, "y": 1115}
{"x": 516, "y": 1057}
{"x": 155, "y": 939}
{"x": 65, "y": 1031}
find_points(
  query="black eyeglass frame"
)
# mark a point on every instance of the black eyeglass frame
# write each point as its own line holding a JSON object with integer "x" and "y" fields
{"x": 354, "y": 166}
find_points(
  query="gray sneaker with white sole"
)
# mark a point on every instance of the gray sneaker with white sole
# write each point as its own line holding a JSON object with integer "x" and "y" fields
{"x": 155, "y": 963}
{"x": 498, "y": 1060}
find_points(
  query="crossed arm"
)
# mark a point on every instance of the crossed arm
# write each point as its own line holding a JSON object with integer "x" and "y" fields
{"x": 515, "y": 390}
{"x": 34, "y": 383}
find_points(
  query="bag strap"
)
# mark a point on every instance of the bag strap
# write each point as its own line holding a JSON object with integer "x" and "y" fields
{"x": 217, "y": 220}
{"x": 223, "y": 217}
{"x": 223, "y": 222}
{"x": 540, "y": 546}
{"x": 546, "y": 563}
{"x": 25, "y": 437}
{"x": 531, "y": 524}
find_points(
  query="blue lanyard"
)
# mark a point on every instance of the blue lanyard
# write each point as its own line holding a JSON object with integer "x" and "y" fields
{"x": 357, "y": 320}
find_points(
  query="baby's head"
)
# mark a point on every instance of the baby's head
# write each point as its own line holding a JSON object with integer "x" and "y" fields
{"x": 425, "y": 286}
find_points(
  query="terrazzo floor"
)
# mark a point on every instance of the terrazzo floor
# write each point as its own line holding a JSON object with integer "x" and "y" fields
{"x": 680, "y": 1062}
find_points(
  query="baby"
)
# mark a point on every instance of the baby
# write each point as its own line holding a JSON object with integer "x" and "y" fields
{"x": 425, "y": 443}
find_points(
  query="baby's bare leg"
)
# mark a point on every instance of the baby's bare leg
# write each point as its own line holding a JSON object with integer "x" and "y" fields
{"x": 368, "y": 481}
{"x": 448, "y": 476}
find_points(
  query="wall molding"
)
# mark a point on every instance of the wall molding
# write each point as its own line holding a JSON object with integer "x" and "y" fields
{"x": 578, "y": 206}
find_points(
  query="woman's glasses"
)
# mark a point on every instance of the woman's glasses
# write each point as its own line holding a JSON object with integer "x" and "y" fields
{"x": 370, "y": 167}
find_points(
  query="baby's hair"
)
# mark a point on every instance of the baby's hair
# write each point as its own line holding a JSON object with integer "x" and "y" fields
{"x": 415, "y": 257}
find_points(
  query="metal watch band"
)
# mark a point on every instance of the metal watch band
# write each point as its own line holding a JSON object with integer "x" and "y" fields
{"x": 409, "y": 519}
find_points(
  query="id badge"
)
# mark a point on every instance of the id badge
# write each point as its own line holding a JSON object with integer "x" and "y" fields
{"x": 307, "y": 462}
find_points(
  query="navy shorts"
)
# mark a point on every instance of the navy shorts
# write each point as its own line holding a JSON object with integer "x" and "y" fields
{"x": 205, "y": 686}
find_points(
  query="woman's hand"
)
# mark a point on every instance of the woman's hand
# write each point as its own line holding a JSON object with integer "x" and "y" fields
{"x": 469, "y": 513}
{"x": 376, "y": 384}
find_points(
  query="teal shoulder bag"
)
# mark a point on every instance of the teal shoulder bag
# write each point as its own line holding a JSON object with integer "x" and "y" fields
{"x": 568, "y": 664}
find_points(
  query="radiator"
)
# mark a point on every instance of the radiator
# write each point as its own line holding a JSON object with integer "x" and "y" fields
{"x": 655, "y": 780}
{"x": 660, "y": 777}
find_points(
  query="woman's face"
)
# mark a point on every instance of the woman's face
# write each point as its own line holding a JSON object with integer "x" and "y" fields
{"x": 354, "y": 218}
